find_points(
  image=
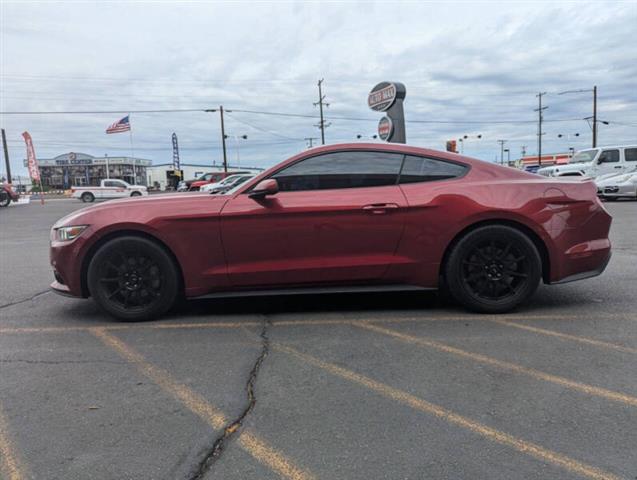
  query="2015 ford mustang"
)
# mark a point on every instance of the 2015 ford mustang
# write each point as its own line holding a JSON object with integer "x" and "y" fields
{"x": 348, "y": 217}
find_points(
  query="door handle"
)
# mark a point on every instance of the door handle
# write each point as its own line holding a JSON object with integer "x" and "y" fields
{"x": 618, "y": 166}
{"x": 380, "y": 208}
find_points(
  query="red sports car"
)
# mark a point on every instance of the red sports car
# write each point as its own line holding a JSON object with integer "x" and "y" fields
{"x": 349, "y": 217}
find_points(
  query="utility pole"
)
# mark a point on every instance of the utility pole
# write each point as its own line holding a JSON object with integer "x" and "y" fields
{"x": 502, "y": 142}
{"x": 6, "y": 156}
{"x": 223, "y": 141}
{"x": 223, "y": 136}
{"x": 310, "y": 141}
{"x": 539, "y": 127}
{"x": 320, "y": 103}
{"x": 594, "y": 116}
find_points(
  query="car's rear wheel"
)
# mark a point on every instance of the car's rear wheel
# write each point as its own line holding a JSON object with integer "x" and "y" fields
{"x": 87, "y": 197}
{"x": 133, "y": 278}
{"x": 135, "y": 194}
{"x": 493, "y": 269}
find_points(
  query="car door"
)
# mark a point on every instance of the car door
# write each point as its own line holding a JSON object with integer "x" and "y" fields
{"x": 338, "y": 217}
{"x": 609, "y": 161}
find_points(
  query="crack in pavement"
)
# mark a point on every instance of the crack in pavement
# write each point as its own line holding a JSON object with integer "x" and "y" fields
{"x": 231, "y": 429}
{"x": 32, "y": 297}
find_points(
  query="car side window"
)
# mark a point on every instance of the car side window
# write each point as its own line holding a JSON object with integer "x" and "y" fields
{"x": 422, "y": 169}
{"x": 630, "y": 154}
{"x": 337, "y": 170}
{"x": 111, "y": 184}
{"x": 609, "y": 156}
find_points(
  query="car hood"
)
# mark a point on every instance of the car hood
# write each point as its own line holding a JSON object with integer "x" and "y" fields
{"x": 145, "y": 209}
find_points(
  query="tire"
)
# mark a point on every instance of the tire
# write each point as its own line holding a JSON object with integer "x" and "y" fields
{"x": 133, "y": 279}
{"x": 5, "y": 200}
{"x": 135, "y": 194}
{"x": 493, "y": 269}
{"x": 87, "y": 197}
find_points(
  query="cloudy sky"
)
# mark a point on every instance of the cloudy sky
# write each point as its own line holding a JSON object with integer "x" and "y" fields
{"x": 470, "y": 68}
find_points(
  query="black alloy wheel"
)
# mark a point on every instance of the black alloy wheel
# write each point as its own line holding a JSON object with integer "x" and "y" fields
{"x": 133, "y": 278}
{"x": 493, "y": 269}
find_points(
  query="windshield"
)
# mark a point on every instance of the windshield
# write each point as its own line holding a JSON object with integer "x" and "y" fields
{"x": 228, "y": 180}
{"x": 583, "y": 156}
{"x": 237, "y": 186}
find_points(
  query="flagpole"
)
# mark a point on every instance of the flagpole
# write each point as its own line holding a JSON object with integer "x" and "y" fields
{"x": 132, "y": 149}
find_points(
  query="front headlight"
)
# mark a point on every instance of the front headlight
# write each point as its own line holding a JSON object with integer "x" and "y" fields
{"x": 65, "y": 234}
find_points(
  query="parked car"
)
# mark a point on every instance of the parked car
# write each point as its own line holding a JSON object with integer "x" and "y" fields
{"x": 7, "y": 195}
{"x": 227, "y": 183}
{"x": 349, "y": 217}
{"x": 109, "y": 188}
{"x": 594, "y": 162}
{"x": 209, "y": 177}
{"x": 618, "y": 186}
{"x": 195, "y": 185}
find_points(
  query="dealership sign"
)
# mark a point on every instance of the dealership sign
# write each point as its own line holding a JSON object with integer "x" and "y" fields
{"x": 388, "y": 97}
{"x": 385, "y": 128}
{"x": 382, "y": 97}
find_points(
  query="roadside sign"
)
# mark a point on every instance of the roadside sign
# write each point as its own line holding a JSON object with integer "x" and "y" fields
{"x": 382, "y": 97}
{"x": 385, "y": 128}
{"x": 388, "y": 97}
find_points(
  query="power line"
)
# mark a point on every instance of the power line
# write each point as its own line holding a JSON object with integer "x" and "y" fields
{"x": 92, "y": 112}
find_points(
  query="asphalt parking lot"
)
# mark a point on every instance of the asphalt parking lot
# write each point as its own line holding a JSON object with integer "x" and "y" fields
{"x": 395, "y": 386}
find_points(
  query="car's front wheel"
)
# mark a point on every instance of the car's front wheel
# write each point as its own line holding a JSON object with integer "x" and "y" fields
{"x": 133, "y": 278}
{"x": 493, "y": 269}
{"x": 87, "y": 197}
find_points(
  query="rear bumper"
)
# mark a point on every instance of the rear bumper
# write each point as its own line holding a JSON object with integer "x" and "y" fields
{"x": 585, "y": 274}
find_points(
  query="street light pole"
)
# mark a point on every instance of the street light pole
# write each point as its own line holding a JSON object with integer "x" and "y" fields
{"x": 594, "y": 116}
{"x": 502, "y": 142}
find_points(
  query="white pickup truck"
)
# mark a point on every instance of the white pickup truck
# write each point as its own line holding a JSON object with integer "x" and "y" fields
{"x": 108, "y": 189}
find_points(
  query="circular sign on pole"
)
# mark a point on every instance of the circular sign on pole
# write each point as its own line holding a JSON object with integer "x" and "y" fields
{"x": 382, "y": 97}
{"x": 385, "y": 128}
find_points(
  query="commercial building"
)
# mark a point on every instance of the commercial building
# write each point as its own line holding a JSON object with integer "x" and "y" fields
{"x": 78, "y": 169}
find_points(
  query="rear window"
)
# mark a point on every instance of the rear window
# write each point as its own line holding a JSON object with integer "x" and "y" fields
{"x": 422, "y": 169}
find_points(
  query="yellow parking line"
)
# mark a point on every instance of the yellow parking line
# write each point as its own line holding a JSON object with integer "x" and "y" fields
{"x": 9, "y": 462}
{"x": 442, "y": 413}
{"x": 512, "y": 367}
{"x": 566, "y": 336}
{"x": 284, "y": 323}
{"x": 250, "y": 442}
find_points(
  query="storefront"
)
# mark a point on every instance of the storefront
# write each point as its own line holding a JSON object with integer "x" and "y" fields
{"x": 78, "y": 169}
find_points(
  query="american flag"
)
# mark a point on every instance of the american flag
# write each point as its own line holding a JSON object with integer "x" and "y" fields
{"x": 122, "y": 125}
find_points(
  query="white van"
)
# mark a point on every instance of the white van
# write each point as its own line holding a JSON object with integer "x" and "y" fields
{"x": 595, "y": 162}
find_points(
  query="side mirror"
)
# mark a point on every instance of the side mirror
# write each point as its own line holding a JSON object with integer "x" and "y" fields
{"x": 264, "y": 188}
